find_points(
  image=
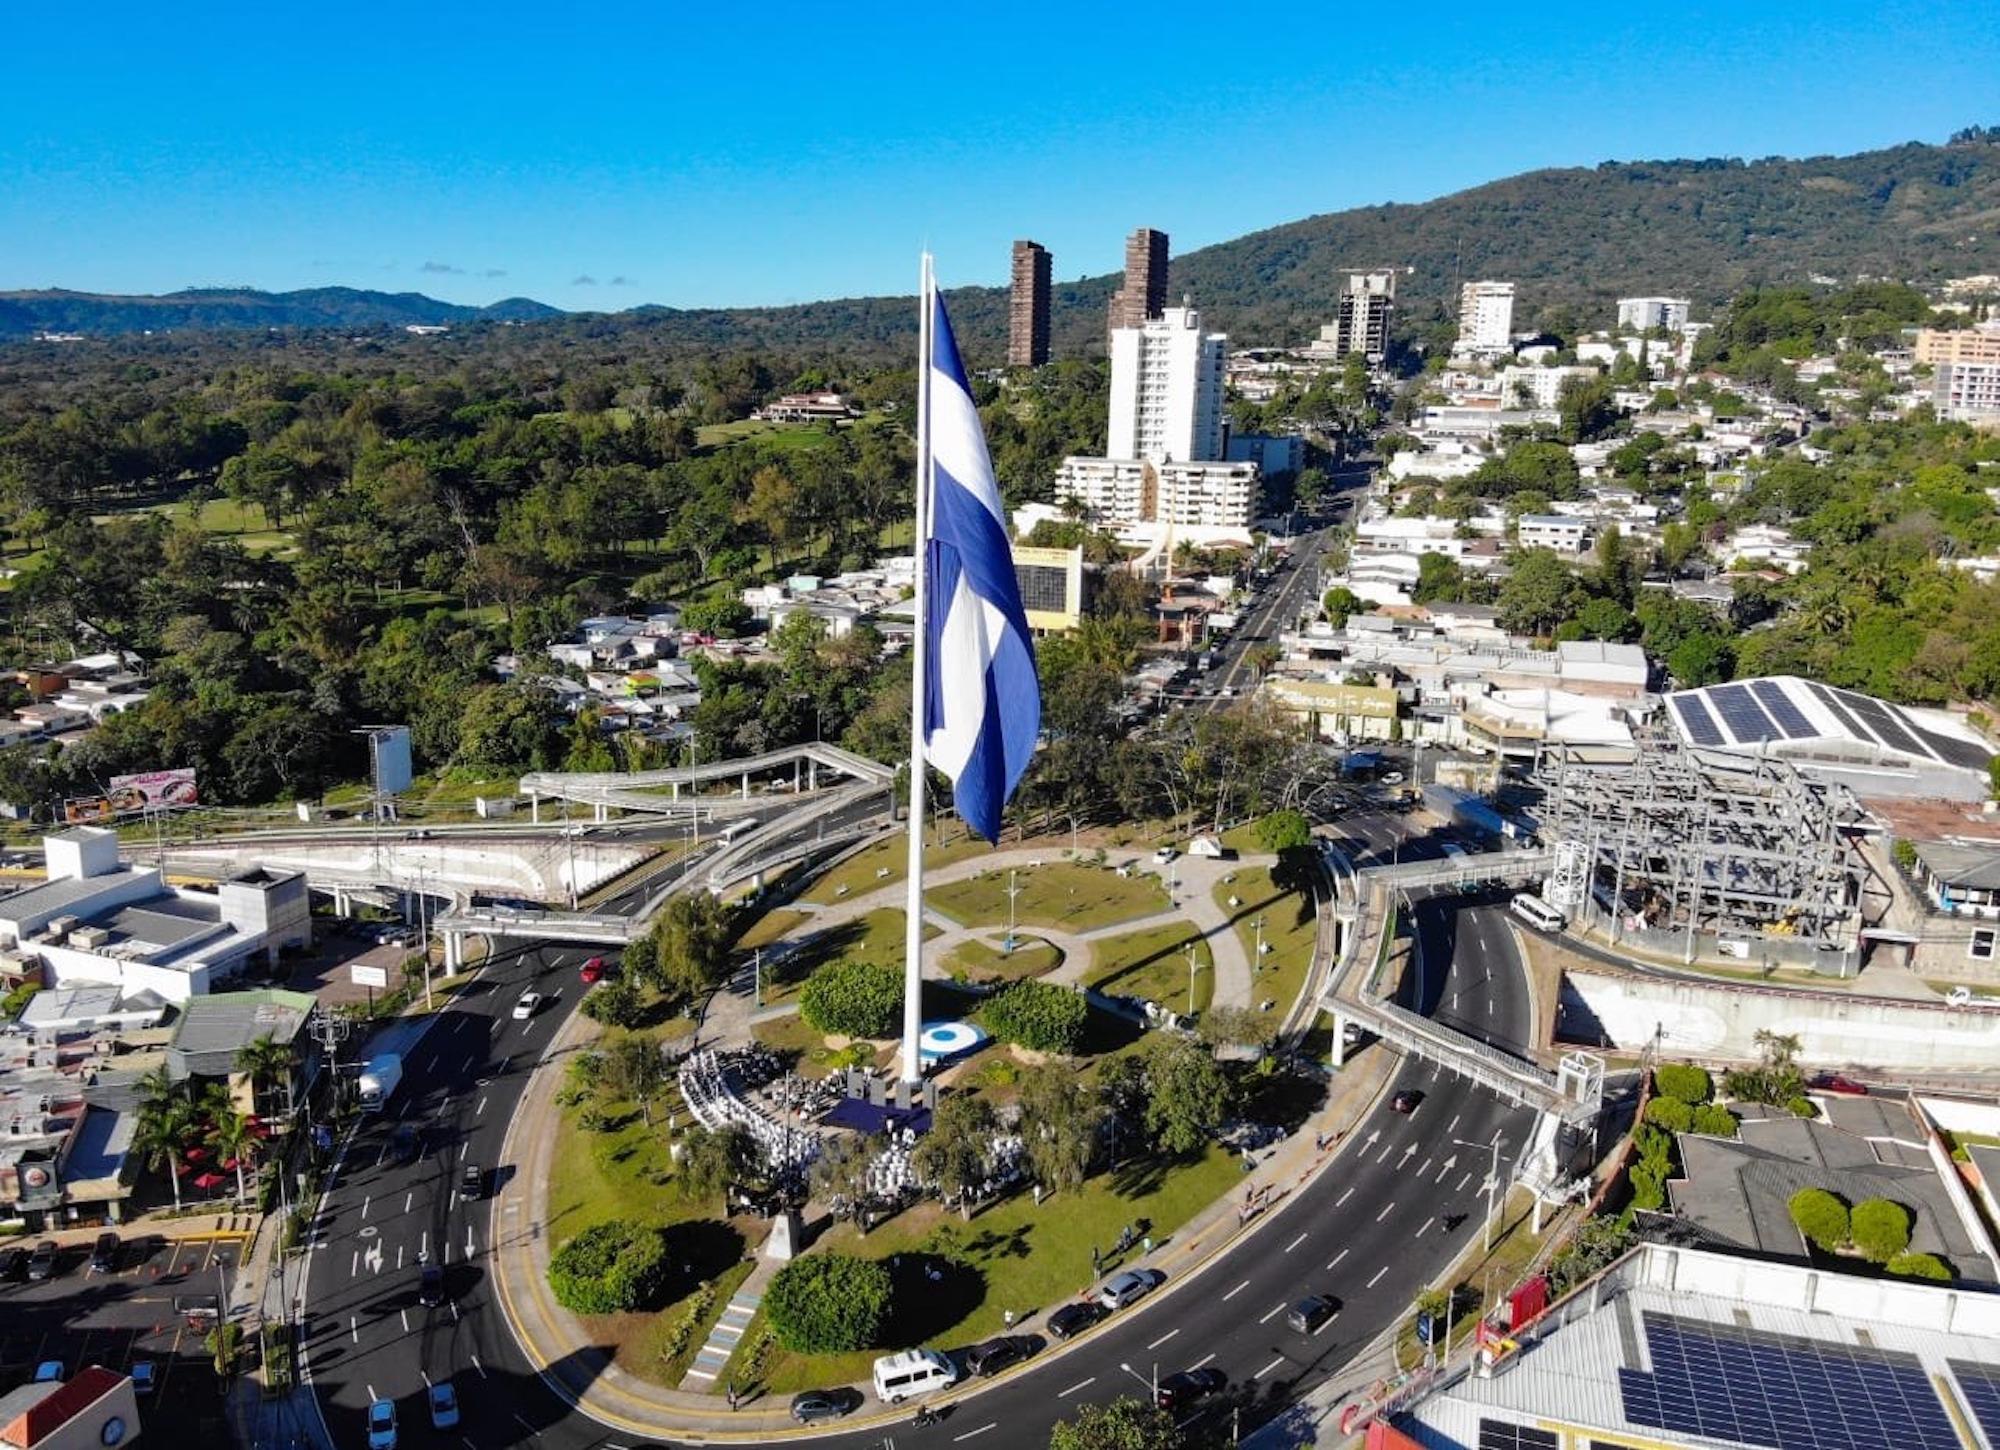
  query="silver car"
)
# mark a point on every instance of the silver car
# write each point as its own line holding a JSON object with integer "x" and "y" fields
{"x": 1129, "y": 1287}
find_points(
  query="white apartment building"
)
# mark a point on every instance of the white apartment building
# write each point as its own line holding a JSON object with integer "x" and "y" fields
{"x": 1768, "y": 545}
{"x": 1396, "y": 534}
{"x": 1485, "y": 317}
{"x": 1195, "y": 499}
{"x": 1643, "y": 314}
{"x": 1967, "y": 392}
{"x": 1538, "y": 387}
{"x": 1560, "y": 532}
{"x": 1166, "y": 390}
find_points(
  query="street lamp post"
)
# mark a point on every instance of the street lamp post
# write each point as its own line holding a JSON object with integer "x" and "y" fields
{"x": 1193, "y": 967}
{"x": 1013, "y": 890}
{"x": 1492, "y": 1179}
{"x": 1152, "y": 1385}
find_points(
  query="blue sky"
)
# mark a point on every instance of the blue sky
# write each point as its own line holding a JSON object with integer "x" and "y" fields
{"x": 722, "y": 155}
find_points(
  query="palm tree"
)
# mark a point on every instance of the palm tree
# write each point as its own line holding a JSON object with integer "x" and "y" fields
{"x": 268, "y": 1064}
{"x": 163, "y": 1126}
{"x": 233, "y": 1140}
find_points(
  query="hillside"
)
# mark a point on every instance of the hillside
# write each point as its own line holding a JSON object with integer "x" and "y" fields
{"x": 22, "y": 314}
{"x": 1572, "y": 238}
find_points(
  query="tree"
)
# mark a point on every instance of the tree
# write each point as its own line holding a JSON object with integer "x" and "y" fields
{"x": 1439, "y": 577}
{"x": 1186, "y": 1096}
{"x": 1679, "y": 1080}
{"x": 854, "y": 999}
{"x": 1538, "y": 594}
{"x": 1237, "y": 1027}
{"x": 1340, "y": 602}
{"x": 610, "y": 1268}
{"x": 229, "y": 1134}
{"x": 840, "y": 1173}
{"x": 954, "y": 1154}
{"x": 634, "y": 1069}
{"x": 268, "y": 1063}
{"x": 1286, "y": 830}
{"x": 165, "y": 1121}
{"x": 1880, "y": 1228}
{"x": 829, "y": 1303}
{"x": 1040, "y": 1016}
{"x": 710, "y": 1160}
{"x": 1820, "y": 1216}
{"x": 1124, "y": 1424}
{"x": 691, "y": 943}
{"x": 1670, "y": 1113}
{"x": 1059, "y": 1123}
{"x": 615, "y": 1003}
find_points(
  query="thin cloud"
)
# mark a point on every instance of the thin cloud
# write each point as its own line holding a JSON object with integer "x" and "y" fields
{"x": 442, "y": 268}
{"x": 623, "y": 282}
{"x": 494, "y": 272}
{"x": 584, "y": 281}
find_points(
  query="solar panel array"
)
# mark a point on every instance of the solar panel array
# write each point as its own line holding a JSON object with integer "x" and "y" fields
{"x": 1695, "y": 719}
{"x": 1500, "y": 1435}
{"x": 1980, "y": 1385}
{"x": 1789, "y": 717}
{"x": 1744, "y": 716}
{"x": 1753, "y": 1387}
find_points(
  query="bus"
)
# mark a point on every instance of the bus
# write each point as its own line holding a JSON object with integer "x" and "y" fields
{"x": 1531, "y": 908}
{"x": 735, "y": 831}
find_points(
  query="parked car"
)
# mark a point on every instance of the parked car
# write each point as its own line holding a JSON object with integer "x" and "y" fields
{"x": 1189, "y": 1385}
{"x": 1165, "y": 854}
{"x": 430, "y": 1286}
{"x": 444, "y": 1406}
{"x": 593, "y": 970}
{"x": 529, "y": 1004}
{"x": 1311, "y": 1312}
{"x": 1072, "y": 1319}
{"x": 104, "y": 1255}
{"x": 813, "y": 1406}
{"x": 43, "y": 1262}
{"x": 472, "y": 1182}
{"x": 13, "y": 1265}
{"x": 382, "y": 1425}
{"x": 1407, "y": 1101}
{"x": 993, "y": 1355}
{"x": 1129, "y": 1287}
{"x": 1833, "y": 1082}
{"x": 145, "y": 1376}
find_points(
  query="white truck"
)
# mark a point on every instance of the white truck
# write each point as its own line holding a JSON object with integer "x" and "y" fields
{"x": 378, "y": 1081}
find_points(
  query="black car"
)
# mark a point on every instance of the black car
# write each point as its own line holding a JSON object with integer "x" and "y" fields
{"x": 13, "y": 1265}
{"x": 1073, "y": 1319}
{"x": 1188, "y": 1386}
{"x": 471, "y": 1182}
{"x": 813, "y": 1406}
{"x": 430, "y": 1286}
{"x": 1406, "y": 1102}
{"x": 995, "y": 1355}
{"x": 405, "y": 1145}
{"x": 1311, "y": 1312}
{"x": 105, "y": 1254}
{"x": 42, "y": 1263}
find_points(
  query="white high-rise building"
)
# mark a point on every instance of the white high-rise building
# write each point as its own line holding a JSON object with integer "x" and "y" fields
{"x": 1166, "y": 390}
{"x": 1643, "y": 314}
{"x": 1486, "y": 317}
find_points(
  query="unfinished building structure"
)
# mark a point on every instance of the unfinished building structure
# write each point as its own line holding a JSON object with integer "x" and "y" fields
{"x": 1704, "y": 853}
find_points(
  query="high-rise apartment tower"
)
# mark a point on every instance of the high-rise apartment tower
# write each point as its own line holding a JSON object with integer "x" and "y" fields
{"x": 1485, "y": 317}
{"x": 1028, "y": 307}
{"x": 1166, "y": 390}
{"x": 1362, "y": 323}
{"x": 1144, "y": 294}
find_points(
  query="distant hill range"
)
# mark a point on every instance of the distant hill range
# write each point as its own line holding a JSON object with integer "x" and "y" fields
{"x": 23, "y": 314}
{"x": 1573, "y": 239}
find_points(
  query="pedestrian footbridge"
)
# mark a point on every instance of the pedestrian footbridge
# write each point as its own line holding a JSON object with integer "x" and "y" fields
{"x": 689, "y": 790}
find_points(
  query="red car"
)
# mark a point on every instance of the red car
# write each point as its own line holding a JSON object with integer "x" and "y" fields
{"x": 1833, "y": 1082}
{"x": 593, "y": 970}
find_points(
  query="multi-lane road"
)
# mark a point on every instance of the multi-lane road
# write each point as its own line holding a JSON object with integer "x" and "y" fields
{"x": 1381, "y": 1222}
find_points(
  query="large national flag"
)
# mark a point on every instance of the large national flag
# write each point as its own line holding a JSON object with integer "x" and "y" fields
{"x": 982, "y": 700}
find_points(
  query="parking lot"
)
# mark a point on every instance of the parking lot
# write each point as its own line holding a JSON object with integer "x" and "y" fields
{"x": 79, "y": 1316}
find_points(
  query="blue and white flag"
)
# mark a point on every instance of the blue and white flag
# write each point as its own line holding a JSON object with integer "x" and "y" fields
{"x": 982, "y": 699}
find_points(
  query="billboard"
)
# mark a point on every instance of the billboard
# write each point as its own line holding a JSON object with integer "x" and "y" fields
{"x": 154, "y": 790}
{"x": 389, "y": 752}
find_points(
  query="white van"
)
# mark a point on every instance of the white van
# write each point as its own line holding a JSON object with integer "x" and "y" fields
{"x": 1538, "y": 913}
{"x": 913, "y": 1372}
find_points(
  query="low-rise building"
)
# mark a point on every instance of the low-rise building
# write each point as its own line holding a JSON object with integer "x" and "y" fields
{"x": 1540, "y": 387}
{"x": 1562, "y": 533}
{"x": 93, "y": 1408}
{"x": 213, "y": 1031}
{"x": 1767, "y": 546}
{"x": 1337, "y": 711}
{"x": 824, "y": 406}
{"x": 1052, "y": 583}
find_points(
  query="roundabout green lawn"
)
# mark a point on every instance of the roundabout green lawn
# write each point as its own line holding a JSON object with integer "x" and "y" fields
{"x": 1152, "y": 963}
{"x": 1031, "y": 957}
{"x": 1290, "y": 930}
{"x": 1060, "y": 894}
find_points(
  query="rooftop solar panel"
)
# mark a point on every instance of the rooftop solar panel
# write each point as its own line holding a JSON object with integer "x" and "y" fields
{"x": 1840, "y": 712}
{"x": 1722, "y": 1381}
{"x": 1958, "y": 752}
{"x": 1742, "y": 714}
{"x": 1979, "y": 1384}
{"x": 1882, "y": 722}
{"x": 1499, "y": 1435}
{"x": 1789, "y": 717}
{"x": 1695, "y": 719}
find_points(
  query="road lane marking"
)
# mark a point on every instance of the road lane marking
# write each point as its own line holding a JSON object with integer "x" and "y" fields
{"x": 423, "y": 1244}
{"x": 1387, "y": 1209}
{"x": 1163, "y": 1339}
{"x": 399, "y": 1256}
{"x": 478, "y": 1366}
{"x": 1203, "y": 1360}
{"x": 1268, "y": 1368}
{"x": 480, "y": 1109}
{"x": 471, "y": 1252}
{"x": 1427, "y": 1223}
{"x": 1378, "y": 1276}
{"x": 408, "y": 1199}
{"x": 461, "y": 1151}
{"x": 1452, "y": 1126}
{"x": 1344, "y": 1197}
{"x": 1335, "y": 1260}
{"x": 354, "y": 1329}
{"x": 1425, "y": 1166}
{"x": 1489, "y": 1006}
{"x": 1461, "y": 1183}
{"x": 1080, "y": 1384}
{"x": 1275, "y": 1311}
{"x": 1295, "y": 1243}
{"x": 405, "y": 1314}
{"x": 354, "y": 1264}
{"x": 991, "y": 1424}
{"x": 1443, "y": 1171}
{"x": 364, "y": 1206}
{"x": 372, "y": 1396}
{"x": 1387, "y": 1149}
{"x": 1237, "y": 1290}
{"x": 1327, "y": 1325}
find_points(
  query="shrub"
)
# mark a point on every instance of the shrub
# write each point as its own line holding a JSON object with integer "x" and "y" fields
{"x": 610, "y": 1268}
{"x": 828, "y": 1303}
{"x": 1670, "y": 1113}
{"x": 1690, "y": 1085}
{"x": 1820, "y": 1216}
{"x": 1920, "y": 1266}
{"x": 615, "y": 1003}
{"x": 1880, "y": 1228}
{"x": 1285, "y": 830}
{"x": 1802, "y": 1107}
{"x": 1655, "y": 1145}
{"x": 855, "y": 999}
{"x": 1649, "y": 1193}
{"x": 1715, "y": 1120}
{"x": 1040, "y": 1016}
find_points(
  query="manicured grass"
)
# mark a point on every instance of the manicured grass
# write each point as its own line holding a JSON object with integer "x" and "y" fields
{"x": 1153, "y": 964}
{"x": 1057, "y": 894}
{"x": 883, "y": 863}
{"x": 1016, "y": 1256}
{"x": 1242, "y": 838}
{"x": 1290, "y": 928}
{"x": 876, "y": 937}
{"x": 771, "y": 927}
{"x": 1031, "y": 957}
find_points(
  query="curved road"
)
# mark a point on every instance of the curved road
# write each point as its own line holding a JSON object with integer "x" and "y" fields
{"x": 1394, "y": 1208}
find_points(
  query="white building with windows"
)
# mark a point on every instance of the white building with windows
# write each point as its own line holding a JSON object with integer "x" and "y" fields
{"x": 1643, "y": 314}
{"x": 1561, "y": 532}
{"x": 1205, "y": 502}
{"x": 1166, "y": 390}
{"x": 1485, "y": 318}
{"x": 1537, "y": 387}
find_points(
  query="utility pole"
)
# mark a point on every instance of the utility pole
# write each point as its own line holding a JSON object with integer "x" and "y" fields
{"x": 1257, "y": 958}
{"x": 1492, "y": 1179}
{"x": 1013, "y": 890}
{"x": 1193, "y": 966}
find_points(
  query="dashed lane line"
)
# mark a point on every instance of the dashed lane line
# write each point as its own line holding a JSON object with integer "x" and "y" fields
{"x": 1079, "y": 1385}
{"x": 1163, "y": 1339}
{"x": 1387, "y": 1209}
{"x": 1237, "y": 1290}
{"x": 1334, "y": 1262}
{"x": 1378, "y": 1276}
{"x": 989, "y": 1425}
{"x": 1295, "y": 1243}
{"x": 1268, "y": 1368}
{"x": 1425, "y": 1229}
{"x": 1345, "y": 1196}
{"x": 1274, "y": 1311}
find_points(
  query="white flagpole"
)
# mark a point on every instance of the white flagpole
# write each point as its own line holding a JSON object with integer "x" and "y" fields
{"x": 913, "y": 930}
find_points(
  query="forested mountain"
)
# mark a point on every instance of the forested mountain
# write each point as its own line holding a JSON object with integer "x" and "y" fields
{"x": 22, "y": 314}
{"x": 1572, "y": 238}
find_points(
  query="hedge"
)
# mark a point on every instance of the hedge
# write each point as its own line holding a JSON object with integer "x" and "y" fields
{"x": 1820, "y": 1216}
{"x": 1880, "y": 1228}
{"x": 1690, "y": 1085}
{"x": 1039, "y": 1015}
{"x": 855, "y": 999}
{"x": 828, "y": 1303}
{"x": 610, "y": 1268}
{"x": 1802, "y": 1107}
{"x": 1715, "y": 1120}
{"x": 1670, "y": 1113}
{"x": 1920, "y": 1266}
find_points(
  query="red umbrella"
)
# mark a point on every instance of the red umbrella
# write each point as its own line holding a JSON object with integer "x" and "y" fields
{"x": 229, "y": 1165}
{"x": 210, "y": 1180}
{"x": 195, "y": 1155}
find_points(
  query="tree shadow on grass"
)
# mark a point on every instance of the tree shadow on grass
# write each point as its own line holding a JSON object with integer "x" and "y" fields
{"x": 995, "y": 1244}
{"x": 923, "y": 1308}
{"x": 698, "y": 1249}
{"x": 1105, "y": 1032}
{"x": 782, "y": 969}
{"x": 1140, "y": 1177}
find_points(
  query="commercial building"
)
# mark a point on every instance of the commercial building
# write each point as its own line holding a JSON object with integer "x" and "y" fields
{"x": 824, "y": 407}
{"x": 213, "y": 1030}
{"x": 1052, "y": 586}
{"x": 1166, "y": 390}
{"x": 93, "y": 1408}
{"x": 1645, "y": 314}
{"x": 1967, "y": 392}
{"x": 1485, "y": 317}
{"x": 1361, "y": 324}
{"x": 1144, "y": 294}
{"x": 1337, "y": 711}
{"x": 1979, "y": 344}
{"x": 1028, "y": 307}
{"x": 1203, "y": 502}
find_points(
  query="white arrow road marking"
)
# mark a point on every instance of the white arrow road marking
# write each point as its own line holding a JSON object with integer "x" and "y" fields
{"x": 1449, "y": 1164}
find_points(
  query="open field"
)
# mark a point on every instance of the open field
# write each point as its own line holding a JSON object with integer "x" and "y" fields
{"x": 1289, "y": 931}
{"x": 1153, "y": 964}
{"x": 883, "y": 863}
{"x": 1060, "y": 894}
{"x": 1031, "y": 957}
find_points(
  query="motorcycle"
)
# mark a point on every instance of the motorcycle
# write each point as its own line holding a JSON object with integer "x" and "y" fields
{"x": 926, "y": 1417}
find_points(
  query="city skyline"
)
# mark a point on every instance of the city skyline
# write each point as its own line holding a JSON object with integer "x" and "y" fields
{"x": 517, "y": 160}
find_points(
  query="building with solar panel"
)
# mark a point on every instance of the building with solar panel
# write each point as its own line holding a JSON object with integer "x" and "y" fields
{"x": 1872, "y": 747}
{"x": 1675, "y": 1347}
